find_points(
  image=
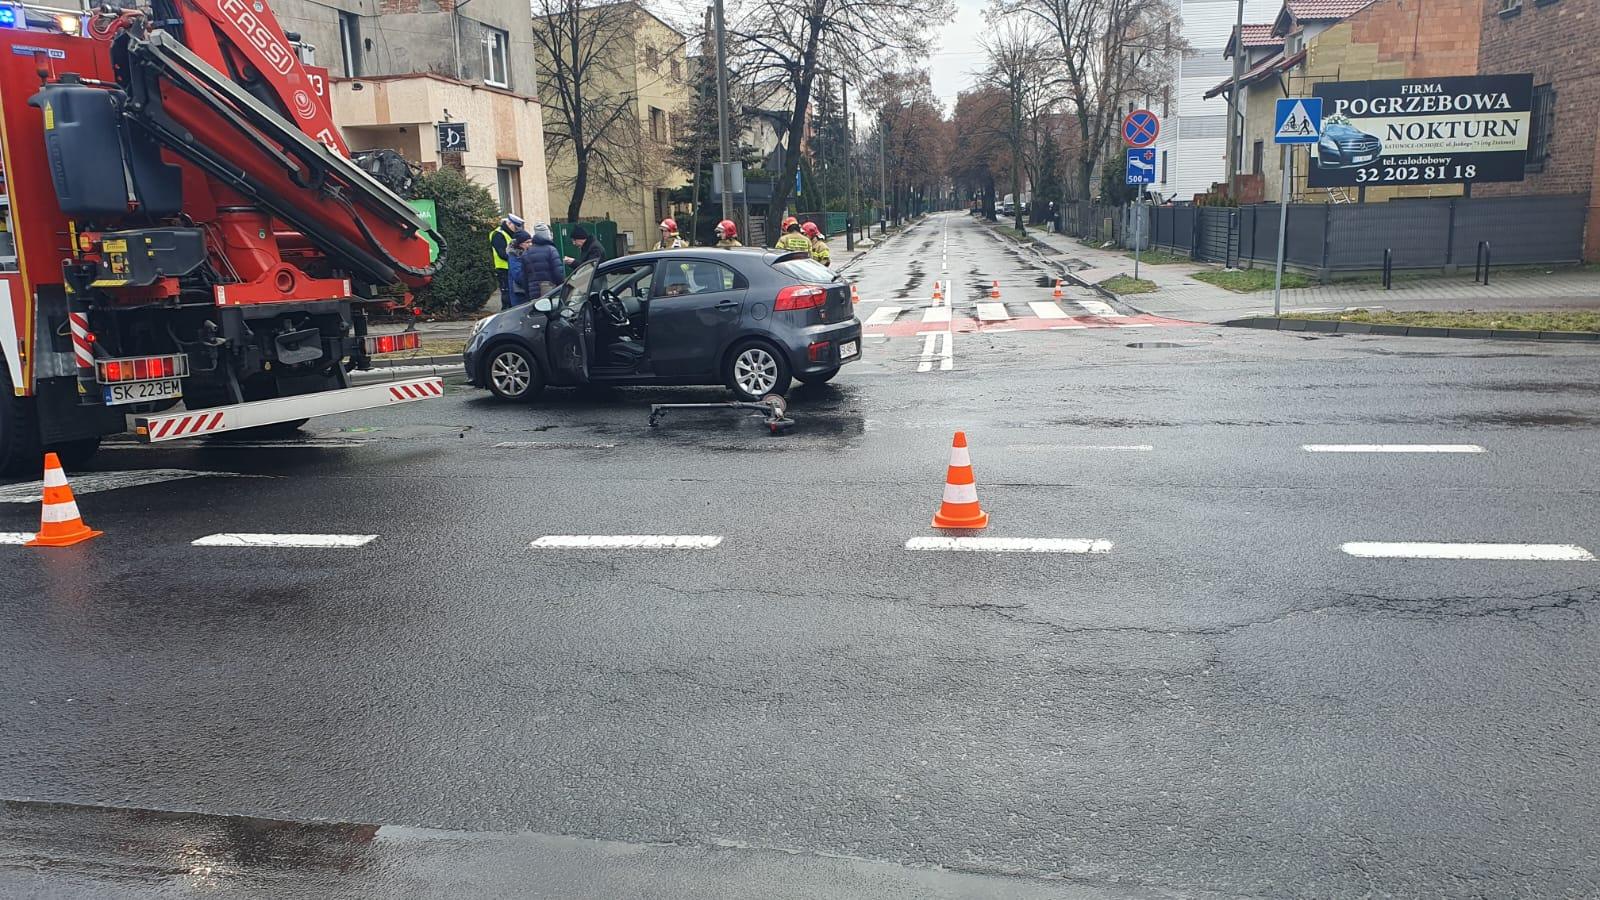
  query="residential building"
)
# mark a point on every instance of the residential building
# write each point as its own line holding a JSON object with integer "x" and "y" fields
{"x": 1556, "y": 41}
{"x": 1192, "y": 146}
{"x": 399, "y": 67}
{"x": 650, "y": 69}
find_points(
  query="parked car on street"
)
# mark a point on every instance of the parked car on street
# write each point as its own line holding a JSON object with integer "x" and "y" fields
{"x": 749, "y": 318}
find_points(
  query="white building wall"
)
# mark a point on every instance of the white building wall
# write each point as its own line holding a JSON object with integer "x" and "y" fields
{"x": 1194, "y": 133}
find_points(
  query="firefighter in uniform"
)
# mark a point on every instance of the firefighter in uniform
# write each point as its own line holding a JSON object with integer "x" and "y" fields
{"x": 669, "y": 235}
{"x": 728, "y": 234}
{"x": 819, "y": 244}
{"x": 792, "y": 240}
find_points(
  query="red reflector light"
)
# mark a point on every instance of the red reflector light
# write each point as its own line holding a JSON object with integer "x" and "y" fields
{"x": 113, "y": 371}
{"x": 819, "y": 351}
{"x": 800, "y": 296}
{"x": 141, "y": 368}
{"x": 394, "y": 343}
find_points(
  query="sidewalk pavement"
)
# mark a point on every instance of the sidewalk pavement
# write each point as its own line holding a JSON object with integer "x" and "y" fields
{"x": 1178, "y": 295}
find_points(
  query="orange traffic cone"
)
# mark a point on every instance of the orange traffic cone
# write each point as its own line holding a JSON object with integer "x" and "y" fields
{"x": 855, "y": 293}
{"x": 1057, "y": 295}
{"x": 994, "y": 292}
{"x": 938, "y": 292}
{"x": 59, "y": 522}
{"x": 959, "y": 508}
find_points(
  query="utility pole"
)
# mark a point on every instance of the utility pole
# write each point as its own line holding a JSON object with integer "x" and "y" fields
{"x": 1233, "y": 107}
{"x": 849, "y": 189}
{"x": 724, "y": 153}
{"x": 883, "y": 183}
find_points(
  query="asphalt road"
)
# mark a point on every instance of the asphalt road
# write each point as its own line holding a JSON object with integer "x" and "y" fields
{"x": 1227, "y": 703}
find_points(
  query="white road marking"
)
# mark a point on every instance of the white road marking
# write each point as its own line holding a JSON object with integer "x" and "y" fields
{"x": 1047, "y": 309}
{"x": 935, "y": 314}
{"x": 94, "y": 482}
{"x": 1391, "y": 448}
{"x": 1143, "y": 325}
{"x": 998, "y": 330}
{"x": 551, "y": 445}
{"x": 992, "y": 312}
{"x": 936, "y": 345}
{"x": 627, "y": 542}
{"x": 342, "y": 541}
{"x": 1540, "y": 552}
{"x": 1100, "y": 308}
{"x": 15, "y": 537}
{"x": 1068, "y": 327}
{"x": 884, "y": 315}
{"x": 1009, "y": 545}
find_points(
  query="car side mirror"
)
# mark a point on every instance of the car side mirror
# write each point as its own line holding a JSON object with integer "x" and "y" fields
{"x": 545, "y": 304}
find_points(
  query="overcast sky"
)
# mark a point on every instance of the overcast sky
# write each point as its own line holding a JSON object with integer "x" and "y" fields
{"x": 958, "y": 53}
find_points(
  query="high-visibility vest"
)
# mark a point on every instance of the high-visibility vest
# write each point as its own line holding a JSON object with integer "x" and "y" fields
{"x": 499, "y": 244}
{"x": 794, "y": 240}
{"x": 820, "y": 251}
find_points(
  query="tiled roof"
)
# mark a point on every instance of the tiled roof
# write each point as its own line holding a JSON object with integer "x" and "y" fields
{"x": 1260, "y": 71}
{"x": 1325, "y": 9}
{"x": 1261, "y": 36}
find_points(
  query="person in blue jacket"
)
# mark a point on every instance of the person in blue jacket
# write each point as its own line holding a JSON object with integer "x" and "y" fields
{"x": 542, "y": 269}
{"x": 515, "y": 253}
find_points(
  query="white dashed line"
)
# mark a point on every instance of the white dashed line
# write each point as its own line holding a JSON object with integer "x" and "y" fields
{"x": 551, "y": 445}
{"x": 1100, "y": 308}
{"x": 627, "y": 542}
{"x": 992, "y": 312}
{"x": 1530, "y": 552}
{"x": 15, "y": 537}
{"x": 936, "y": 346}
{"x": 337, "y": 541}
{"x": 1009, "y": 545}
{"x": 94, "y": 482}
{"x": 1391, "y": 448}
{"x": 884, "y": 315}
{"x": 1047, "y": 309}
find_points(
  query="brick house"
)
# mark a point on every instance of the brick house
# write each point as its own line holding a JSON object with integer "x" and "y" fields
{"x": 1559, "y": 42}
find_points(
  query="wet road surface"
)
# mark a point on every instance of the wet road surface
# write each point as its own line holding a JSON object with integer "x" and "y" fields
{"x": 1228, "y": 701}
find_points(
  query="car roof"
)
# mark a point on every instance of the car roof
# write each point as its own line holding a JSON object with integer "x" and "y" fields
{"x": 743, "y": 254}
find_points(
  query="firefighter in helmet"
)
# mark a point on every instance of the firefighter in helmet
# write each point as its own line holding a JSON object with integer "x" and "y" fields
{"x": 669, "y": 235}
{"x": 728, "y": 234}
{"x": 792, "y": 240}
{"x": 819, "y": 244}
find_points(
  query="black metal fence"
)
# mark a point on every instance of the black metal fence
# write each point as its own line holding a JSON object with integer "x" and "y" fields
{"x": 1339, "y": 237}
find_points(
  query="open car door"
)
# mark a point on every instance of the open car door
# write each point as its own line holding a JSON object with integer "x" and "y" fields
{"x": 569, "y": 339}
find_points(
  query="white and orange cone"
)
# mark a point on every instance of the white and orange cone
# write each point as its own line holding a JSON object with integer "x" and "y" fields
{"x": 1057, "y": 295}
{"x": 994, "y": 291}
{"x": 938, "y": 292}
{"x": 855, "y": 293}
{"x": 60, "y": 525}
{"x": 959, "y": 508}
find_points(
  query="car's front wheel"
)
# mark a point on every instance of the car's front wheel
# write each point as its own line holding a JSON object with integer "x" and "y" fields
{"x": 755, "y": 369}
{"x": 512, "y": 374}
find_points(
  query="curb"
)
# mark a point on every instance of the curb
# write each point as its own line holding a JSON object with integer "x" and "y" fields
{"x": 453, "y": 359}
{"x": 1331, "y": 326}
{"x": 1065, "y": 273}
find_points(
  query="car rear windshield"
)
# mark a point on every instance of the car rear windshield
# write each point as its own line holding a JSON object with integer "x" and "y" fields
{"x": 805, "y": 270}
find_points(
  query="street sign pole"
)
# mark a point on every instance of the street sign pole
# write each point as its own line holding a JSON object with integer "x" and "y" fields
{"x": 1138, "y": 232}
{"x": 1283, "y": 228}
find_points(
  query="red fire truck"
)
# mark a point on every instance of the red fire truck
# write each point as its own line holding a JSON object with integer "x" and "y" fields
{"x": 188, "y": 249}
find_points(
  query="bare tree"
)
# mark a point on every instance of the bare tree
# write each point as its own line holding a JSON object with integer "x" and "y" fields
{"x": 1109, "y": 52}
{"x": 1020, "y": 67}
{"x": 583, "y": 50}
{"x": 914, "y": 135}
{"x": 786, "y": 43}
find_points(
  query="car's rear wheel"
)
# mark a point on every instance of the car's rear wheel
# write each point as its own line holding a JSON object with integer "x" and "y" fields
{"x": 818, "y": 377}
{"x": 512, "y": 373}
{"x": 755, "y": 369}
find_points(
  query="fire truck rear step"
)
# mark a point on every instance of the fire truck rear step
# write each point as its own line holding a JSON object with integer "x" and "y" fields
{"x": 174, "y": 425}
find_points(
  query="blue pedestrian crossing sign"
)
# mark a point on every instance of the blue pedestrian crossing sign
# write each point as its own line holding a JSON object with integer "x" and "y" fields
{"x": 1141, "y": 165}
{"x": 1297, "y": 120}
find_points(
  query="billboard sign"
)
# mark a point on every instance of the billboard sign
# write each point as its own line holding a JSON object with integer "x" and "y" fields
{"x": 1422, "y": 131}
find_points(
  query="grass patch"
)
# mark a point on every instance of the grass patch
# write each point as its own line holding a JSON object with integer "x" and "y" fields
{"x": 1553, "y": 320}
{"x": 1160, "y": 258}
{"x": 1012, "y": 233}
{"x": 432, "y": 347}
{"x": 1244, "y": 281}
{"x": 1124, "y": 284}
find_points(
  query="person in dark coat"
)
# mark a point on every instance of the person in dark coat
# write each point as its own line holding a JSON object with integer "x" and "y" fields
{"x": 589, "y": 249}
{"x": 541, "y": 263}
{"x": 515, "y": 266}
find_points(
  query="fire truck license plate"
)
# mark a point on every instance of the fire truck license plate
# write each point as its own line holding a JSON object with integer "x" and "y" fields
{"x": 143, "y": 391}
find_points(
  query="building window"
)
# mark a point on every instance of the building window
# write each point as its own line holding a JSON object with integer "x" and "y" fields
{"x": 1543, "y": 125}
{"x": 1163, "y": 167}
{"x": 495, "y": 72}
{"x": 1257, "y": 152}
{"x": 1297, "y": 42}
{"x": 350, "y": 43}
{"x": 658, "y": 125}
{"x": 1510, "y": 6}
{"x": 508, "y": 182}
{"x": 677, "y": 71}
{"x": 651, "y": 58}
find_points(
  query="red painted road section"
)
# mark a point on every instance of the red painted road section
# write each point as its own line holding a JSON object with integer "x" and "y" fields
{"x": 910, "y": 323}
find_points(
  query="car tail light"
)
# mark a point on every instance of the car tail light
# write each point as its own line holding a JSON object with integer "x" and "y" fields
{"x": 394, "y": 343}
{"x": 800, "y": 296}
{"x": 141, "y": 368}
{"x": 818, "y": 352}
